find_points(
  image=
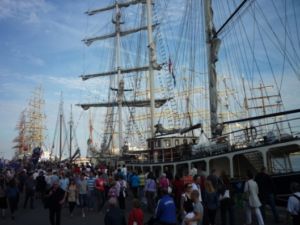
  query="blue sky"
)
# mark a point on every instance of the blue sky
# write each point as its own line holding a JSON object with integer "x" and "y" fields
{"x": 41, "y": 44}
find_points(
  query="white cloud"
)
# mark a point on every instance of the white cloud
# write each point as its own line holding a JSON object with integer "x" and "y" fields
{"x": 26, "y": 11}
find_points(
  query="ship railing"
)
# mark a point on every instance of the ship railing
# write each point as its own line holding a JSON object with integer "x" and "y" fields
{"x": 264, "y": 134}
{"x": 251, "y": 137}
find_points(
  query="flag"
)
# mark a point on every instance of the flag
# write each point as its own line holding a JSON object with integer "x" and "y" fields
{"x": 171, "y": 71}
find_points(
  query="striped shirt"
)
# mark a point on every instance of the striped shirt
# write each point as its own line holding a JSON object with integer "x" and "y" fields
{"x": 142, "y": 180}
{"x": 91, "y": 183}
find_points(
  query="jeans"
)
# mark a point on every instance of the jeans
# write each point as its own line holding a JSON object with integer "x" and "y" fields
{"x": 91, "y": 199}
{"x": 270, "y": 200}
{"x": 100, "y": 199}
{"x": 83, "y": 200}
{"x": 29, "y": 195}
{"x": 227, "y": 208}
{"x": 54, "y": 215}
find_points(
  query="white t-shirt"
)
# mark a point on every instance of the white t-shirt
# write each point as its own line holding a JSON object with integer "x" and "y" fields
{"x": 197, "y": 187}
{"x": 293, "y": 206}
{"x": 189, "y": 216}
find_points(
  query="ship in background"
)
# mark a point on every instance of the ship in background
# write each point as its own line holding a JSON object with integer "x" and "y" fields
{"x": 31, "y": 127}
{"x": 198, "y": 93}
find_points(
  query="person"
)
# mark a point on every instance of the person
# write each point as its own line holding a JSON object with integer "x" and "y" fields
{"x": 178, "y": 187}
{"x": 100, "y": 191}
{"x": 135, "y": 182}
{"x": 197, "y": 215}
{"x": 41, "y": 185}
{"x": 165, "y": 213}
{"x": 214, "y": 179}
{"x": 91, "y": 191}
{"x": 150, "y": 190}
{"x": 186, "y": 203}
{"x": 3, "y": 197}
{"x": 29, "y": 190}
{"x": 122, "y": 192}
{"x": 82, "y": 187}
{"x": 55, "y": 200}
{"x": 114, "y": 215}
{"x": 196, "y": 185}
{"x": 211, "y": 201}
{"x": 293, "y": 205}
{"x": 266, "y": 193}
{"x": 136, "y": 215}
{"x": 12, "y": 194}
{"x": 226, "y": 200}
{"x": 252, "y": 202}
{"x": 72, "y": 195}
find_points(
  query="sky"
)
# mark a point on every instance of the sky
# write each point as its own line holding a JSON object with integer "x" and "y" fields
{"x": 41, "y": 45}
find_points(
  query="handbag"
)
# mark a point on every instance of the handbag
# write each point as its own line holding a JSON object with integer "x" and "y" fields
{"x": 246, "y": 194}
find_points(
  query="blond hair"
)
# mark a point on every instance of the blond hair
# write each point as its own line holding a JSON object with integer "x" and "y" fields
{"x": 209, "y": 187}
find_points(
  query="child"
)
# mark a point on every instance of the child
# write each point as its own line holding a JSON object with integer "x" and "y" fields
{"x": 136, "y": 215}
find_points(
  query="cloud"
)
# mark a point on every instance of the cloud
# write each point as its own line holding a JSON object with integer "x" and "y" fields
{"x": 26, "y": 11}
{"x": 27, "y": 57}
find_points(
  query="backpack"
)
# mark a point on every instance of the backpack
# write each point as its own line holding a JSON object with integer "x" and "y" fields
{"x": 123, "y": 191}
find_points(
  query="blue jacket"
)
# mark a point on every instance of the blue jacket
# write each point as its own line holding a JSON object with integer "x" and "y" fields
{"x": 135, "y": 181}
{"x": 166, "y": 210}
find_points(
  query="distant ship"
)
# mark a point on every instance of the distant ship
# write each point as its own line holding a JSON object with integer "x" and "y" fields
{"x": 31, "y": 127}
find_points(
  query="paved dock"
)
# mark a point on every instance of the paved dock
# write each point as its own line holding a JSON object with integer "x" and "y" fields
{"x": 39, "y": 216}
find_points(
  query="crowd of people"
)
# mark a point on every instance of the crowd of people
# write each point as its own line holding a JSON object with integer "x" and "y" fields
{"x": 191, "y": 198}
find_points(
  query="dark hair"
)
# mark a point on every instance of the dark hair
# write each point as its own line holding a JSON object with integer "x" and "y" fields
{"x": 150, "y": 176}
{"x": 249, "y": 174}
{"x": 295, "y": 187}
{"x": 136, "y": 203}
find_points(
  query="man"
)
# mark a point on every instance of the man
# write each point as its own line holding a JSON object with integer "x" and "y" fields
{"x": 55, "y": 199}
{"x": 100, "y": 191}
{"x": 293, "y": 206}
{"x": 91, "y": 191}
{"x": 114, "y": 215}
{"x": 29, "y": 190}
{"x": 165, "y": 213}
{"x": 266, "y": 193}
{"x": 83, "y": 188}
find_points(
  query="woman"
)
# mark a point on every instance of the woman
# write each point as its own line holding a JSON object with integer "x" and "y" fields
{"x": 252, "y": 201}
{"x": 211, "y": 201}
{"x": 136, "y": 215}
{"x": 150, "y": 190}
{"x": 186, "y": 203}
{"x": 226, "y": 200}
{"x": 122, "y": 192}
{"x": 72, "y": 193}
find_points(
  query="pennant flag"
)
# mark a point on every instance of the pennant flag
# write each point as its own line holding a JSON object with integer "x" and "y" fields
{"x": 171, "y": 71}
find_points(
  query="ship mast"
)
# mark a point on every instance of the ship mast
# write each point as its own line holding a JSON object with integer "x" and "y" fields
{"x": 120, "y": 71}
{"x": 36, "y": 119}
{"x": 152, "y": 59}
{"x": 212, "y": 44}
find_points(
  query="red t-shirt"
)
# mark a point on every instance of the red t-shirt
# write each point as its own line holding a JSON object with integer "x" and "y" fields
{"x": 136, "y": 215}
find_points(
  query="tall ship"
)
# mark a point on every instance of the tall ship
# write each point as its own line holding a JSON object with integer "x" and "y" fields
{"x": 31, "y": 126}
{"x": 198, "y": 83}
